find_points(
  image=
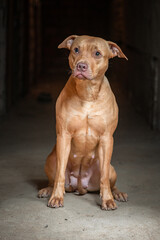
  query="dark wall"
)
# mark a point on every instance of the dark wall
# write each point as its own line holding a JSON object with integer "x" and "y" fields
{"x": 3, "y": 30}
{"x": 64, "y": 18}
{"x": 30, "y": 31}
{"x": 20, "y": 49}
{"x": 136, "y": 24}
{"x": 133, "y": 25}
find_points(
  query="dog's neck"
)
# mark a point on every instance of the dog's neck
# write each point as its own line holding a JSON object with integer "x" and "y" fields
{"x": 88, "y": 90}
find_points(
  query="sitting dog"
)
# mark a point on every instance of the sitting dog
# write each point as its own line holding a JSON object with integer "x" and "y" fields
{"x": 86, "y": 118}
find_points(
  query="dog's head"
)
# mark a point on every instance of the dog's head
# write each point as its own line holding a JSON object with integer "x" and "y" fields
{"x": 88, "y": 58}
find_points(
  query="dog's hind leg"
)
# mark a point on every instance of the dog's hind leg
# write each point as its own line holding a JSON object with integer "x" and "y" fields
{"x": 50, "y": 170}
{"x": 119, "y": 196}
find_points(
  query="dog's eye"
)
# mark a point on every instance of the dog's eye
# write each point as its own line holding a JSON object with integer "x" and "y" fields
{"x": 76, "y": 50}
{"x": 97, "y": 54}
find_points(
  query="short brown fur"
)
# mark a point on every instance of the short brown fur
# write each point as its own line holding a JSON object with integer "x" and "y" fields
{"x": 86, "y": 118}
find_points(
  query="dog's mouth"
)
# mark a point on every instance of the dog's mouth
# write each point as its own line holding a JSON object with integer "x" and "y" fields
{"x": 82, "y": 75}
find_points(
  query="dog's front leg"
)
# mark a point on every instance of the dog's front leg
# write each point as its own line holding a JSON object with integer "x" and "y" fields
{"x": 105, "y": 153}
{"x": 63, "y": 147}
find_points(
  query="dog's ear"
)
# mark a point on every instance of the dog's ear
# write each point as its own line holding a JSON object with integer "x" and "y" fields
{"x": 115, "y": 50}
{"x": 67, "y": 43}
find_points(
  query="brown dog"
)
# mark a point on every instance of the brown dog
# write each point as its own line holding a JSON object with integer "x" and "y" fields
{"x": 86, "y": 118}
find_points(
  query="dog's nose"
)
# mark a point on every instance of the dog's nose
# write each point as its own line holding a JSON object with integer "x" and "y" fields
{"x": 82, "y": 66}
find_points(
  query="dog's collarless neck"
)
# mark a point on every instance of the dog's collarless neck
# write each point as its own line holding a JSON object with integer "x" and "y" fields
{"x": 88, "y": 90}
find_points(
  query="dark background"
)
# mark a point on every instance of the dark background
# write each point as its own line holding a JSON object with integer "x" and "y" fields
{"x": 30, "y": 31}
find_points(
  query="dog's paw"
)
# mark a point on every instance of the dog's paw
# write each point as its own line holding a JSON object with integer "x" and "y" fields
{"x": 119, "y": 196}
{"x": 69, "y": 188}
{"x": 45, "y": 192}
{"x": 55, "y": 202}
{"x": 108, "y": 205}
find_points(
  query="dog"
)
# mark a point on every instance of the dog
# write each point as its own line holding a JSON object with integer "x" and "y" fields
{"x": 86, "y": 118}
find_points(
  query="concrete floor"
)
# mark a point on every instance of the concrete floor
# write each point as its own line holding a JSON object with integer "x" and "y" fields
{"x": 27, "y": 135}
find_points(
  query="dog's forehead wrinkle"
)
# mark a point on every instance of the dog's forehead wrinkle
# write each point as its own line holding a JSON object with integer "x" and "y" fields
{"x": 90, "y": 42}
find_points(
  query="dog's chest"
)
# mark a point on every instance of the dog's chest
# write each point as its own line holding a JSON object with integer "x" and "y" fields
{"x": 89, "y": 120}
